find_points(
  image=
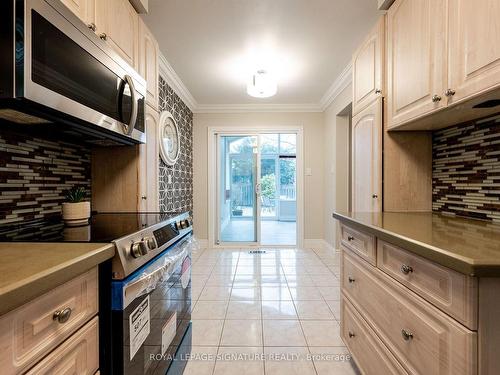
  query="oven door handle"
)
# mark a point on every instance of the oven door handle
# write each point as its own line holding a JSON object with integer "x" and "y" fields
{"x": 147, "y": 282}
{"x": 135, "y": 105}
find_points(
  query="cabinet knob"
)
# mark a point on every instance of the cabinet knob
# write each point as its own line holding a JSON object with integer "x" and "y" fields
{"x": 92, "y": 26}
{"x": 350, "y": 238}
{"x": 351, "y": 280}
{"x": 103, "y": 36}
{"x": 407, "y": 335}
{"x": 375, "y": 196}
{"x": 351, "y": 334}
{"x": 144, "y": 197}
{"x": 62, "y": 316}
{"x": 436, "y": 98}
{"x": 449, "y": 92}
{"x": 378, "y": 91}
{"x": 406, "y": 269}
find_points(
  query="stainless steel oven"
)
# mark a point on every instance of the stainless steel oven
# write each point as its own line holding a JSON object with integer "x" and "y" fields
{"x": 53, "y": 69}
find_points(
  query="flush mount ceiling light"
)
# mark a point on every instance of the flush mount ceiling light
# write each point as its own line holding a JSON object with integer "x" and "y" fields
{"x": 262, "y": 85}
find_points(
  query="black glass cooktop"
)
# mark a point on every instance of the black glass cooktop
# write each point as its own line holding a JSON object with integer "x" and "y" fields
{"x": 102, "y": 227}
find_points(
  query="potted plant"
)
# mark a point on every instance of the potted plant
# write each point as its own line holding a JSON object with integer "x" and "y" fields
{"x": 76, "y": 211}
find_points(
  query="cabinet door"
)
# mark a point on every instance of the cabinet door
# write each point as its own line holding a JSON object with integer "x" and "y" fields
{"x": 148, "y": 63}
{"x": 367, "y": 68}
{"x": 474, "y": 47}
{"x": 149, "y": 165}
{"x": 83, "y": 9}
{"x": 416, "y": 59}
{"x": 119, "y": 22}
{"x": 367, "y": 159}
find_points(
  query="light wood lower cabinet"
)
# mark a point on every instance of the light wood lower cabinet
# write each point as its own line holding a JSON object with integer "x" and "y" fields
{"x": 452, "y": 292}
{"x": 33, "y": 330}
{"x": 371, "y": 355}
{"x": 423, "y": 339}
{"x": 79, "y": 355}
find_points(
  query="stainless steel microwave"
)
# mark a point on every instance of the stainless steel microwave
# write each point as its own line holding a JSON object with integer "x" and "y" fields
{"x": 53, "y": 69}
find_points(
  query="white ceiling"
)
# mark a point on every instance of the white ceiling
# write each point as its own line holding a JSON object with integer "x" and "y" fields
{"x": 213, "y": 45}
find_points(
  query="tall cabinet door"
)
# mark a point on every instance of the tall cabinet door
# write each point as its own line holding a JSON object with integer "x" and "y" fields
{"x": 474, "y": 47}
{"x": 149, "y": 165}
{"x": 367, "y": 159}
{"x": 416, "y": 59}
{"x": 83, "y": 9}
{"x": 148, "y": 63}
{"x": 367, "y": 69}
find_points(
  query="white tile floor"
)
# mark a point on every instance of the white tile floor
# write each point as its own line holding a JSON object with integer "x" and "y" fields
{"x": 271, "y": 313}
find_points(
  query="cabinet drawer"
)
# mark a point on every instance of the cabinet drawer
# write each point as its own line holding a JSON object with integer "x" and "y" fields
{"x": 78, "y": 355}
{"x": 31, "y": 331}
{"x": 452, "y": 292}
{"x": 361, "y": 243}
{"x": 424, "y": 340}
{"x": 370, "y": 354}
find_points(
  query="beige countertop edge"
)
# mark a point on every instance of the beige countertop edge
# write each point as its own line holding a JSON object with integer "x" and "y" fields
{"x": 465, "y": 265}
{"x": 17, "y": 294}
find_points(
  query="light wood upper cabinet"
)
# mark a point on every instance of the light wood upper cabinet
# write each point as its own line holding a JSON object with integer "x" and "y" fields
{"x": 474, "y": 47}
{"x": 416, "y": 59}
{"x": 367, "y": 159}
{"x": 368, "y": 69}
{"x": 118, "y": 23}
{"x": 148, "y": 63}
{"x": 83, "y": 9}
{"x": 149, "y": 165}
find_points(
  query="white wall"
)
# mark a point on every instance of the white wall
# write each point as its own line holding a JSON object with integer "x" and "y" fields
{"x": 313, "y": 158}
{"x": 336, "y": 163}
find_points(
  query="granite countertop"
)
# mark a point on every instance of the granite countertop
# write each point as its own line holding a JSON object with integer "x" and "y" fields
{"x": 468, "y": 246}
{"x": 29, "y": 270}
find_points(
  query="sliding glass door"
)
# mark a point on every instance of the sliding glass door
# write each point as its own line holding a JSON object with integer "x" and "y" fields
{"x": 256, "y": 189}
{"x": 238, "y": 188}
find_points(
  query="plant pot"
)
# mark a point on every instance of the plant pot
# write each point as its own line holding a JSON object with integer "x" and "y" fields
{"x": 76, "y": 213}
{"x": 237, "y": 212}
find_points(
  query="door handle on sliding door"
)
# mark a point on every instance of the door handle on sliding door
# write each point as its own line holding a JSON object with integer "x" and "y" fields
{"x": 257, "y": 189}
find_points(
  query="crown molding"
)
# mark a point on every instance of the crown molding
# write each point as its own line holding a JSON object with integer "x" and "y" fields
{"x": 174, "y": 81}
{"x": 247, "y": 108}
{"x": 342, "y": 81}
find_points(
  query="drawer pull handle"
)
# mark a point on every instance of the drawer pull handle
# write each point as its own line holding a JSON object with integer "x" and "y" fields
{"x": 351, "y": 280}
{"x": 407, "y": 336}
{"x": 62, "y": 316}
{"x": 350, "y": 238}
{"x": 406, "y": 269}
{"x": 351, "y": 335}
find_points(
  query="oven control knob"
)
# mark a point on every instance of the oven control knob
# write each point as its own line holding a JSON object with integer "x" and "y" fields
{"x": 151, "y": 243}
{"x": 178, "y": 225}
{"x": 187, "y": 223}
{"x": 138, "y": 249}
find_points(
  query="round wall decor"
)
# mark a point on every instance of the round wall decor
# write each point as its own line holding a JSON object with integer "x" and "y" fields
{"x": 169, "y": 138}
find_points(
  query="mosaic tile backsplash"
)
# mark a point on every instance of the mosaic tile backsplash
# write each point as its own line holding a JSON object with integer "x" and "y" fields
{"x": 466, "y": 170}
{"x": 176, "y": 182}
{"x": 35, "y": 172}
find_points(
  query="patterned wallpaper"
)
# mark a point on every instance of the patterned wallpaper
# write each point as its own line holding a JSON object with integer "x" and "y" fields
{"x": 176, "y": 191}
{"x": 466, "y": 169}
{"x": 35, "y": 172}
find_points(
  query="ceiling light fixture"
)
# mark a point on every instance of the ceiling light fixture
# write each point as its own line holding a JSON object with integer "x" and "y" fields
{"x": 262, "y": 85}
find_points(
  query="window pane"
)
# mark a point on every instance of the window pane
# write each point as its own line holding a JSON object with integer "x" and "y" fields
{"x": 288, "y": 144}
{"x": 269, "y": 143}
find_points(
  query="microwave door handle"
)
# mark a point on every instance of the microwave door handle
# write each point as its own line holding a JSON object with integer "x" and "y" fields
{"x": 135, "y": 104}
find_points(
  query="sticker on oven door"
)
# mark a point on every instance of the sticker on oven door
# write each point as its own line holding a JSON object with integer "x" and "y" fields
{"x": 139, "y": 326}
{"x": 168, "y": 332}
{"x": 186, "y": 272}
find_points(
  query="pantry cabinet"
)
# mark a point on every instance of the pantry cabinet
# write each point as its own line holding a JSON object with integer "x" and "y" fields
{"x": 367, "y": 68}
{"x": 149, "y": 165}
{"x": 416, "y": 59}
{"x": 148, "y": 63}
{"x": 474, "y": 48}
{"x": 118, "y": 24}
{"x": 367, "y": 159}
